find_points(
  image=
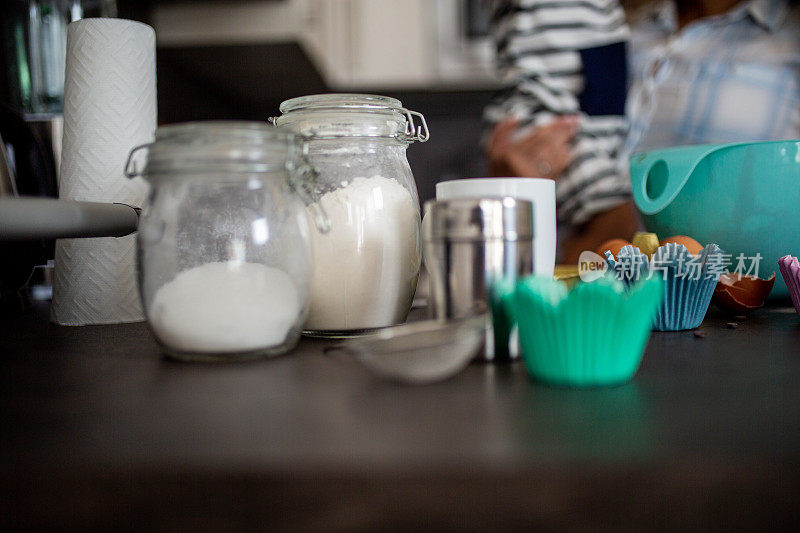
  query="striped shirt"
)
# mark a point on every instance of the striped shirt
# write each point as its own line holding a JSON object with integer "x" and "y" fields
{"x": 541, "y": 46}
{"x": 734, "y": 77}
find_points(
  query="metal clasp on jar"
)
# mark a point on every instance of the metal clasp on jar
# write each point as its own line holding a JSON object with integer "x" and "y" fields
{"x": 414, "y": 132}
{"x": 131, "y": 170}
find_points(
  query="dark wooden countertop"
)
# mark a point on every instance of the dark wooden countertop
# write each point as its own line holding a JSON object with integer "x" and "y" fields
{"x": 100, "y": 431}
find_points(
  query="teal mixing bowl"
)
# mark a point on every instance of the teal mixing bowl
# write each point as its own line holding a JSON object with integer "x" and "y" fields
{"x": 745, "y": 197}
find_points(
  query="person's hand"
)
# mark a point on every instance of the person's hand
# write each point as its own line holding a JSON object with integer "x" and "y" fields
{"x": 544, "y": 152}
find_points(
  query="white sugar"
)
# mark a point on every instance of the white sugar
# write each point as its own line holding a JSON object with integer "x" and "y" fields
{"x": 225, "y": 307}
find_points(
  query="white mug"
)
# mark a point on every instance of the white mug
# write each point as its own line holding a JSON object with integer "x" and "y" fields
{"x": 539, "y": 191}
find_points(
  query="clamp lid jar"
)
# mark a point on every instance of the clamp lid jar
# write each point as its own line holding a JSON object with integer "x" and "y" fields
{"x": 366, "y": 269}
{"x": 224, "y": 253}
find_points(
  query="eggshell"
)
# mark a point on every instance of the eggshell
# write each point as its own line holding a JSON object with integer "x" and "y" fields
{"x": 692, "y": 245}
{"x": 741, "y": 295}
{"x": 614, "y": 245}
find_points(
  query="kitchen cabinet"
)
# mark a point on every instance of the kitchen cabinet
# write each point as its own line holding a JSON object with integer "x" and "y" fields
{"x": 377, "y": 44}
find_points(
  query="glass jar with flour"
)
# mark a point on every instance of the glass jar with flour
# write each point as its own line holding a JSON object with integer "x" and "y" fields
{"x": 366, "y": 268}
{"x": 224, "y": 254}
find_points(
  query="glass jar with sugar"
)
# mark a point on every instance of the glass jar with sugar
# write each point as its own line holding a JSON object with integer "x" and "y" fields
{"x": 224, "y": 253}
{"x": 366, "y": 268}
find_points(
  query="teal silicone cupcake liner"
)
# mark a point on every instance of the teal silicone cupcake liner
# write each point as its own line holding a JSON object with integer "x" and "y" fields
{"x": 689, "y": 280}
{"x": 594, "y": 335}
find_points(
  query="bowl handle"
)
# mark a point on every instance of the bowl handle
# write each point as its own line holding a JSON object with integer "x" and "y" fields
{"x": 658, "y": 176}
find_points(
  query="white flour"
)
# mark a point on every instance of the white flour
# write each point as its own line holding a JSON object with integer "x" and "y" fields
{"x": 365, "y": 269}
{"x": 225, "y": 307}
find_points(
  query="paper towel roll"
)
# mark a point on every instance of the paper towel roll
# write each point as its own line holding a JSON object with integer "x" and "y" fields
{"x": 109, "y": 107}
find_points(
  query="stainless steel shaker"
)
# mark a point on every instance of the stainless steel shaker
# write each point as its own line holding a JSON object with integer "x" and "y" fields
{"x": 467, "y": 245}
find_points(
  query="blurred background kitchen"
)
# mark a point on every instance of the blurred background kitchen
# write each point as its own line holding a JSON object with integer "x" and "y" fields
{"x": 239, "y": 59}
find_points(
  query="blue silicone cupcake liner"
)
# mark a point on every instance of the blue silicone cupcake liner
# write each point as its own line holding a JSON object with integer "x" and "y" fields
{"x": 689, "y": 280}
{"x": 594, "y": 335}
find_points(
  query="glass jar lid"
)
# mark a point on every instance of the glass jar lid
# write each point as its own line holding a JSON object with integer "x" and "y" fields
{"x": 228, "y": 150}
{"x": 341, "y": 101}
{"x": 216, "y": 147}
{"x": 336, "y": 115}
